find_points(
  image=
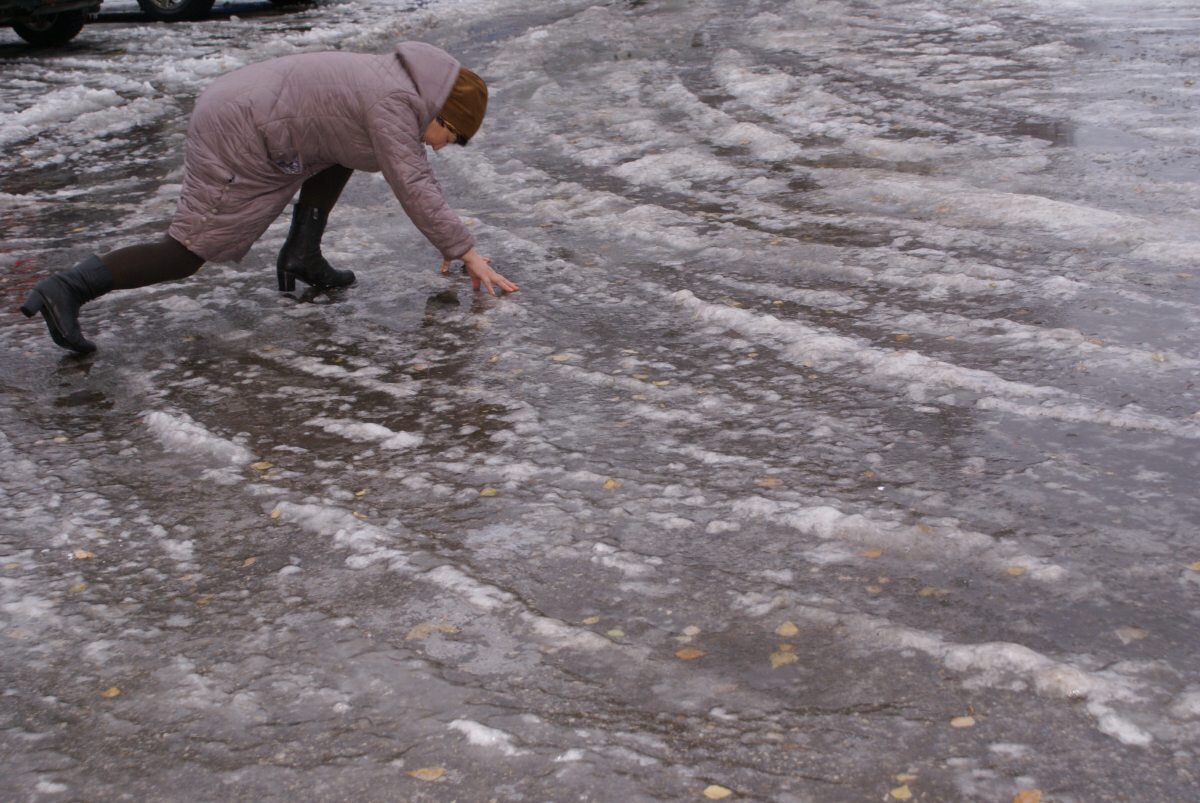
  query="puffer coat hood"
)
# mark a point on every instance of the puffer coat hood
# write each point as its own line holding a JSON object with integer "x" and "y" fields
{"x": 257, "y": 133}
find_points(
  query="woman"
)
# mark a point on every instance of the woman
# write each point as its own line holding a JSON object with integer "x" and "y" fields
{"x": 300, "y": 122}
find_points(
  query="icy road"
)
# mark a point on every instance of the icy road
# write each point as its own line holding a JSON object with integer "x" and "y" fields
{"x": 841, "y": 444}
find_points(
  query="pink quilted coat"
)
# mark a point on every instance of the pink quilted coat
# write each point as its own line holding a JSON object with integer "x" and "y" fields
{"x": 257, "y": 133}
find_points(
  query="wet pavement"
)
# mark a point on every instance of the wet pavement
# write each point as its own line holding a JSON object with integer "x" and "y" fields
{"x": 841, "y": 443}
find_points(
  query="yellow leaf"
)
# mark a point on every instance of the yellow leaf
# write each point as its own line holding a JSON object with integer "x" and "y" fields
{"x": 359, "y": 516}
{"x": 250, "y": 561}
{"x": 268, "y": 348}
{"x": 276, "y": 514}
{"x": 903, "y": 338}
{"x": 1195, "y": 566}
{"x": 11, "y": 566}
{"x": 1129, "y": 634}
{"x": 932, "y": 591}
{"x": 783, "y": 658}
{"x": 261, "y": 465}
{"x": 77, "y": 588}
{"x": 901, "y": 793}
{"x": 616, "y": 632}
{"x": 906, "y": 777}
{"x": 717, "y": 792}
{"x": 426, "y": 629}
{"x": 561, "y": 357}
{"x": 611, "y": 484}
{"x": 689, "y": 654}
{"x": 110, "y": 692}
{"x": 1016, "y": 571}
{"x": 204, "y": 600}
{"x": 871, "y": 552}
{"x": 427, "y": 773}
{"x": 1028, "y": 796}
{"x": 768, "y": 482}
{"x": 787, "y": 630}
{"x": 874, "y": 589}
{"x": 591, "y": 620}
{"x": 962, "y": 722}
{"x": 488, "y": 492}
{"x": 661, "y": 382}
{"x": 83, "y": 554}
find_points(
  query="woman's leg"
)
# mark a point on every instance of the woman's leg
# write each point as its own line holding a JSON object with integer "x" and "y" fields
{"x": 150, "y": 263}
{"x": 59, "y": 297}
{"x": 300, "y": 257}
{"x": 323, "y": 190}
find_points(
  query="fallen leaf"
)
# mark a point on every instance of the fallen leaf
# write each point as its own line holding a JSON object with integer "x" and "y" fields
{"x": 611, "y": 484}
{"x": 787, "y": 630}
{"x": 561, "y": 357}
{"x": 261, "y": 465}
{"x": 204, "y": 600}
{"x": 361, "y": 494}
{"x": 83, "y": 554}
{"x": 689, "y": 654}
{"x": 691, "y": 630}
{"x": 906, "y": 777}
{"x": 932, "y": 591}
{"x": 1129, "y": 634}
{"x": 901, "y": 793}
{"x": 77, "y": 588}
{"x": 426, "y": 629}
{"x": 268, "y": 348}
{"x": 874, "y": 589}
{"x": 1195, "y": 566}
{"x": 616, "y": 632}
{"x": 250, "y": 561}
{"x": 110, "y": 692}
{"x": 962, "y": 722}
{"x": 427, "y": 773}
{"x": 768, "y": 482}
{"x": 1016, "y": 571}
{"x": 592, "y": 620}
{"x": 661, "y": 382}
{"x": 359, "y": 516}
{"x": 489, "y": 492}
{"x": 903, "y": 338}
{"x": 1028, "y": 796}
{"x": 783, "y": 656}
{"x": 872, "y": 552}
{"x": 11, "y": 566}
{"x": 276, "y": 514}
{"x": 717, "y": 792}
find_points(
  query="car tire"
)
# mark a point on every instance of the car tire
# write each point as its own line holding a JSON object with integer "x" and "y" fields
{"x": 49, "y": 30}
{"x": 174, "y": 10}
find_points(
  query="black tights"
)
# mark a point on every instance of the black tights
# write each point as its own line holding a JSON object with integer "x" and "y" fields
{"x": 167, "y": 260}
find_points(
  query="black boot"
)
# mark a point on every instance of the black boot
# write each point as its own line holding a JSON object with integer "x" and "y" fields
{"x": 60, "y": 296}
{"x": 300, "y": 257}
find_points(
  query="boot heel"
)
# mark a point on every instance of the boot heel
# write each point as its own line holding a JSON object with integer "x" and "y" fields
{"x": 287, "y": 282}
{"x": 33, "y": 304}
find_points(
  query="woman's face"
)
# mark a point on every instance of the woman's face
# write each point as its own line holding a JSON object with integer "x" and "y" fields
{"x": 437, "y": 136}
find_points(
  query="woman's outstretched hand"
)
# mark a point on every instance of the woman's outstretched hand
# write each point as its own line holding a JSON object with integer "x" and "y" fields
{"x": 482, "y": 274}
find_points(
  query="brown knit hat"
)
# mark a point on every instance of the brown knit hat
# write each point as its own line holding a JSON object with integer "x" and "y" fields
{"x": 467, "y": 104}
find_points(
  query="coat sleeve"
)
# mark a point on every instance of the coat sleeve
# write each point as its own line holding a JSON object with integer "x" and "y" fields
{"x": 395, "y": 134}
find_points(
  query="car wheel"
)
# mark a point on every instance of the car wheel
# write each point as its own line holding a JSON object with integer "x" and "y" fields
{"x": 49, "y": 30}
{"x": 172, "y": 10}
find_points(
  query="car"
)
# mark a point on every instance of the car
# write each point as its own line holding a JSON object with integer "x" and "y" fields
{"x": 47, "y": 23}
